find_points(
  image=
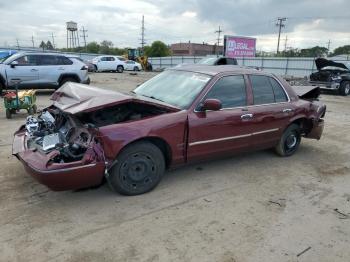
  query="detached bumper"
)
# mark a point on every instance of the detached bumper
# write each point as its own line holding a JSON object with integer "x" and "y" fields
{"x": 317, "y": 130}
{"x": 58, "y": 176}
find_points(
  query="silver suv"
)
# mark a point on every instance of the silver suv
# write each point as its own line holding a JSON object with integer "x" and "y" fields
{"x": 41, "y": 70}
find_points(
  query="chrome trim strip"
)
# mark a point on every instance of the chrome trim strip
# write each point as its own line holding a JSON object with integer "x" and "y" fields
{"x": 218, "y": 139}
{"x": 232, "y": 137}
{"x": 265, "y": 131}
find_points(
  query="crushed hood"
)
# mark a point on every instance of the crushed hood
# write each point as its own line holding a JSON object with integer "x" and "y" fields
{"x": 75, "y": 98}
{"x": 322, "y": 62}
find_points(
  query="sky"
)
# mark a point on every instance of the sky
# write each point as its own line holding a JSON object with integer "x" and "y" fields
{"x": 308, "y": 23}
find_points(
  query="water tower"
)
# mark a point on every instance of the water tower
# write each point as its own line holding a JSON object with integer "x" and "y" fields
{"x": 72, "y": 35}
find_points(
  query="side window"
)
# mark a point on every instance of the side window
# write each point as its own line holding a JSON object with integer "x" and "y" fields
{"x": 111, "y": 59}
{"x": 62, "y": 60}
{"x": 262, "y": 90}
{"x": 231, "y": 61}
{"x": 27, "y": 60}
{"x": 104, "y": 58}
{"x": 47, "y": 60}
{"x": 230, "y": 90}
{"x": 280, "y": 95}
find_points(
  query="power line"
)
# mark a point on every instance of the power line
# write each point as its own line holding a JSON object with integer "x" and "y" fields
{"x": 280, "y": 24}
{"x": 33, "y": 41}
{"x": 53, "y": 40}
{"x": 143, "y": 41}
{"x": 218, "y": 32}
{"x": 328, "y": 46}
{"x": 84, "y": 36}
{"x": 285, "y": 43}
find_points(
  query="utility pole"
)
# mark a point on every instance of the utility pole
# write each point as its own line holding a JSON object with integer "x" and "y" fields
{"x": 17, "y": 43}
{"x": 285, "y": 43}
{"x": 218, "y": 39}
{"x": 280, "y": 24}
{"x": 328, "y": 46}
{"x": 53, "y": 40}
{"x": 143, "y": 41}
{"x": 84, "y": 36}
{"x": 33, "y": 41}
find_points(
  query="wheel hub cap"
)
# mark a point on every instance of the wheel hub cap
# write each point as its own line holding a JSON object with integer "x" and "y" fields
{"x": 291, "y": 141}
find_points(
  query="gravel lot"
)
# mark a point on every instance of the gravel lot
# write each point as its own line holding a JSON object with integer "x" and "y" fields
{"x": 252, "y": 207}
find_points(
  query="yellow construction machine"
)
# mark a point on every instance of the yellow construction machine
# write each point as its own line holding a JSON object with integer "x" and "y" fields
{"x": 138, "y": 56}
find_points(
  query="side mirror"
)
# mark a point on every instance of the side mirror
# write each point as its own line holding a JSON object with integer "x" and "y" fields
{"x": 14, "y": 64}
{"x": 211, "y": 104}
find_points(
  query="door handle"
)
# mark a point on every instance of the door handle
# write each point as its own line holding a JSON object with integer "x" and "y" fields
{"x": 287, "y": 110}
{"x": 34, "y": 70}
{"x": 246, "y": 116}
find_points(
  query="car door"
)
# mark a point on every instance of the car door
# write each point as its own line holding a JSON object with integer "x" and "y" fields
{"x": 129, "y": 65}
{"x": 270, "y": 111}
{"x": 26, "y": 71}
{"x": 111, "y": 63}
{"x": 212, "y": 133}
{"x": 103, "y": 63}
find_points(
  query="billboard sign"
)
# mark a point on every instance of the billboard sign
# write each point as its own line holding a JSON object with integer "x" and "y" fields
{"x": 239, "y": 46}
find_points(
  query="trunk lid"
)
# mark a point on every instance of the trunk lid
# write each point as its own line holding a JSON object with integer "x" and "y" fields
{"x": 307, "y": 92}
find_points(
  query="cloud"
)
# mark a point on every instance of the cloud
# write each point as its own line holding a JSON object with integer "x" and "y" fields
{"x": 308, "y": 22}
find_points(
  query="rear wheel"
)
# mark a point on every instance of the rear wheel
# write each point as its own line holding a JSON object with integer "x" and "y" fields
{"x": 136, "y": 68}
{"x": 68, "y": 79}
{"x": 95, "y": 68}
{"x": 1, "y": 88}
{"x": 138, "y": 170}
{"x": 344, "y": 88}
{"x": 120, "y": 69}
{"x": 290, "y": 141}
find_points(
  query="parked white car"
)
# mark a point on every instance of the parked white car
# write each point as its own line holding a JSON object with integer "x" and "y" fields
{"x": 41, "y": 70}
{"x": 109, "y": 63}
{"x": 132, "y": 65}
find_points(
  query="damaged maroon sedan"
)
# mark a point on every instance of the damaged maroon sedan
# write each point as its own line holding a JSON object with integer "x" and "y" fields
{"x": 180, "y": 116}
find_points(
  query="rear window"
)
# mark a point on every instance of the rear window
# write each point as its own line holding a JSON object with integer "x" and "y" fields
{"x": 266, "y": 90}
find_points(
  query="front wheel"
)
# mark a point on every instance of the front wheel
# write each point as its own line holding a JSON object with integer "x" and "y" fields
{"x": 289, "y": 141}
{"x": 139, "y": 169}
{"x": 344, "y": 88}
{"x": 120, "y": 69}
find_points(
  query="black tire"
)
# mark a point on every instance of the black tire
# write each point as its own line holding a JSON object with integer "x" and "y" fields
{"x": 138, "y": 170}
{"x": 68, "y": 79}
{"x": 1, "y": 88}
{"x": 30, "y": 111}
{"x": 344, "y": 88}
{"x": 120, "y": 69}
{"x": 136, "y": 68}
{"x": 290, "y": 141}
{"x": 35, "y": 109}
{"x": 95, "y": 68}
{"x": 8, "y": 114}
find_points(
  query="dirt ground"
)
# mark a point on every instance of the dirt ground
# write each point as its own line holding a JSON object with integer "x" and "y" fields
{"x": 252, "y": 207}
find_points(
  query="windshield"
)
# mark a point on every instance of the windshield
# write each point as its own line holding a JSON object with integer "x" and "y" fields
{"x": 207, "y": 61}
{"x": 177, "y": 88}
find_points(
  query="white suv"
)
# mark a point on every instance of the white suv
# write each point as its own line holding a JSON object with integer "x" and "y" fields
{"x": 109, "y": 63}
{"x": 41, "y": 70}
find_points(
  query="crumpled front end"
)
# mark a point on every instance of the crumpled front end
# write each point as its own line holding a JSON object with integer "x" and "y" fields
{"x": 59, "y": 152}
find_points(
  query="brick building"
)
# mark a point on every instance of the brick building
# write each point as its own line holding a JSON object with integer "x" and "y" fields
{"x": 193, "y": 49}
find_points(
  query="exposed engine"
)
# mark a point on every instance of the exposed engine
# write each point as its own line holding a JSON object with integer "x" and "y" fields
{"x": 71, "y": 135}
{"x": 326, "y": 75}
{"x": 53, "y": 130}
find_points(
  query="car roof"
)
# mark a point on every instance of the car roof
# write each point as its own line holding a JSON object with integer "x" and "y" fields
{"x": 215, "y": 70}
{"x": 40, "y": 53}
